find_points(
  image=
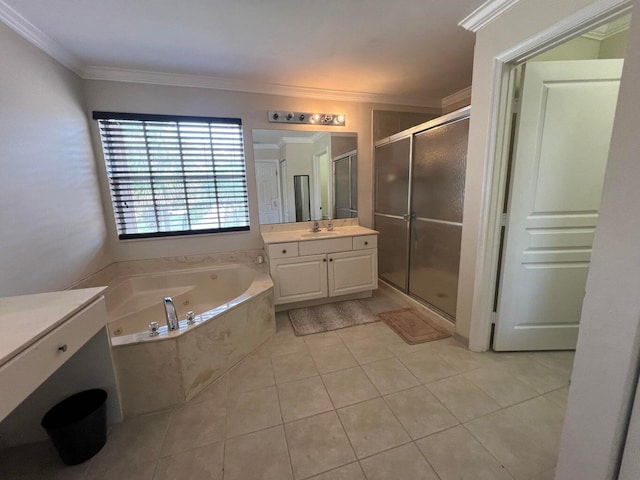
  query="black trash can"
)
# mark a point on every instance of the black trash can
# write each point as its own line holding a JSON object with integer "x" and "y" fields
{"x": 78, "y": 425}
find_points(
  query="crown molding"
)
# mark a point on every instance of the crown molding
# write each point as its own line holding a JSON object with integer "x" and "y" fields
{"x": 224, "y": 83}
{"x": 459, "y": 96}
{"x": 612, "y": 28}
{"x": 265, "y": 146}
{"x": 27, "y": 30}
{"x": 485, "y": 14}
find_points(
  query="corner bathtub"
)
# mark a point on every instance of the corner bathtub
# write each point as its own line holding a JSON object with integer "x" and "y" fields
{"x": 234, "y": 314}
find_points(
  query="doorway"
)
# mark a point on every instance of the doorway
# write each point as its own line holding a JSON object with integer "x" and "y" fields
{"x": 563, "y": 106}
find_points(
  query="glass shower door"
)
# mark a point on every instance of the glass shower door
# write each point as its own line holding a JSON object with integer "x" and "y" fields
{"x": 437, "y": 186}
{"x": 392, "y": 167}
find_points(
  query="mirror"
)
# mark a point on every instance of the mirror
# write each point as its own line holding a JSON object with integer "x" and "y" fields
{"x": 303, "y": 175}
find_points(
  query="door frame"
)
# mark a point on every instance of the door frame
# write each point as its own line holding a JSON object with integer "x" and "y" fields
{"x": 486, "y": 271}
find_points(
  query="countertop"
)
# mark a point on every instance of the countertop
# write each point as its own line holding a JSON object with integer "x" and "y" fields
{"x": 306, "y": 235}
{"x": 27, "y": 318}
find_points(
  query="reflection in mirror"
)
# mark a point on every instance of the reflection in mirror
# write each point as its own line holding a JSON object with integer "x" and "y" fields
{"x": 328, "y": 160}
{"x": 302, "y": 198}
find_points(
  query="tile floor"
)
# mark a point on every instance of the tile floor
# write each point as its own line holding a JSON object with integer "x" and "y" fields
{"x": 355, "y": 404}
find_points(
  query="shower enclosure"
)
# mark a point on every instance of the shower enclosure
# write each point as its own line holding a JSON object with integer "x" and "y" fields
{"x": 419, "y": 185}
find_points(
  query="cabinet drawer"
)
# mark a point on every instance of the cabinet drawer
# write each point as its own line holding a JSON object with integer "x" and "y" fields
{"x": 283, "y": 250}
{"x": 30, "y": 368}
{"x": 329, "y": 245}
{"x": 364, "y": 242}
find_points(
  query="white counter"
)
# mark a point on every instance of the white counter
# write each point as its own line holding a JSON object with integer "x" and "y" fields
{"x": 305, "y": 235}
{"x": 27, "y": 318}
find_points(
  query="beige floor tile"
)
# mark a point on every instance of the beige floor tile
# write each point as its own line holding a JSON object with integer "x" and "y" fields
{"x": 283, "y": 324}
{"x": 203, "y": 463}
{"x": 542, "y": 379}
{"x": 460, "y": 357}
{"x": 372, "y": 427}
{"x": 38, "y": 461}
{"x": 320, "y": 340}
{"x": 524, "y": 438}
{"x": 390, "y": 375}
{"x": 215, "y": 394}
{"x": 140, "y": 471}
{"x": 420, "y": 412}
{"x": 463, "y": 398}
{"x": 559, "y": 397}
{"x": 348, "y": 472}
{"x": 317, "y": 444}
{"x": 252, "y": 374}
{"x": 134, "y": 441}
{"x": 368, "y": 350}
{"x": 548, "y": 475}
{"x": 402, "y": 462}
{"x": 293, "y": 366}
{"x": 562, "y": 361}
{"x": 500, "y": 385}
{"x": 356, "y": 334}
{"x": 252, "y": 411}
{"x": 456, "y": 455}
{"x": 332, "y": 358}
{"x": 349, "y": 386}
{"x": 285, "y": 342}
{"x": 402, "y": 348}
{"x": 258, "y": 456}
{"x": 303, "y": 398}
{"x": 194, "y": 425}
{"x": 428, "y": 367}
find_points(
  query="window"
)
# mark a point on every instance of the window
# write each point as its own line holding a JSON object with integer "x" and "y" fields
{"x": 174, "y": 175}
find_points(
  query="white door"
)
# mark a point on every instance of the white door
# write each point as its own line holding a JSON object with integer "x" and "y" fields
{"x": 268, "y": 192}
{"x": 562, "y": 144}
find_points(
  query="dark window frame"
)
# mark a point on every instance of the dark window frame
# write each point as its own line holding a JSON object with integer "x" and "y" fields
{"x": 126, "y": 173}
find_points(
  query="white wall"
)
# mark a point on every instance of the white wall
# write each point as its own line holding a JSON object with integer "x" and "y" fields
{"x": 53, "y": 229}
{"x": 524, "y": 20}
{"x": 252, "y": 108}
{"x": 608, "y": 353}
{"x": 606, "y": 365}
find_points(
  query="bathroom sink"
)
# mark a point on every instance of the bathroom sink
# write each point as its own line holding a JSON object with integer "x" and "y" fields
{"x": 318, "y": 234}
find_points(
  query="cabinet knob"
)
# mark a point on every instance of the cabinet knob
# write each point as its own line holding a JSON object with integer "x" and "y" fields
{"x": 331, "y": 259}
{"x": 63, "y": 348}
{"x": 284, "y": 251}
{"x": 324, "y": 259}
{"x": 366, "y": 243}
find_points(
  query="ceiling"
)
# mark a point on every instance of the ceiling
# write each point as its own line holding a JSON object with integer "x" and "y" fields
{"x": 401, "y": 51}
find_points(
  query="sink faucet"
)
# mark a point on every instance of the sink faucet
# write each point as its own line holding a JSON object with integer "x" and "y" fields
{"x": 170, "y": 312}
{"x": 316, "y": 227}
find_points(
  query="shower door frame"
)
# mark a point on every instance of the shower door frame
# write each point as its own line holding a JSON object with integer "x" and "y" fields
{"x": 409, "y": 217}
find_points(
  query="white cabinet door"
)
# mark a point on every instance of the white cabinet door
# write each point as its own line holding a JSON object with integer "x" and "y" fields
{"x": 299, "y": 278}
{"x": 351, "y": 272}
{"x": 563, "y": 138}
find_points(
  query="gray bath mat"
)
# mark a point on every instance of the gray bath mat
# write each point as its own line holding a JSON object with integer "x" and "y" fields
{"x": 332, "y": 316}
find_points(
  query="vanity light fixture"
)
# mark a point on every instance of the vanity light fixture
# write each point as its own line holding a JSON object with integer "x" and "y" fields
{"x": 329, "y": 119}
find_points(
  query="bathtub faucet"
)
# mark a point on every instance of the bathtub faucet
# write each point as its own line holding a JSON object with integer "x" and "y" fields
{"x": 170, "y": 312}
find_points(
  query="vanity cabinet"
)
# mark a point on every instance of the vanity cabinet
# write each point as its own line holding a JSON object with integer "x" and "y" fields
{"x": 323, "y": 268}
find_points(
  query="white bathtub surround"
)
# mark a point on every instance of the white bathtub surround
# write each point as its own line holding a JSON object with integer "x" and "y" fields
{"x": 109, "y": 274}
{"x": 156, "y": 373}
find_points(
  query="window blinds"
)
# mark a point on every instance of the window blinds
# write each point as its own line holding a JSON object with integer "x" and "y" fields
{"x": 174, "y": 175}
